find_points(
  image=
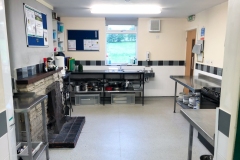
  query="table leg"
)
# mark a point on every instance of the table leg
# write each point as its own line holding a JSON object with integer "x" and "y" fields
{"x": 45, "y": 128}
{"x": 190, "y": 142}
{"x": 27, "y": 124}
{"x": 70, "y": 102}
{"x": 175, "y": 97}
{"x": 143, "y": 92}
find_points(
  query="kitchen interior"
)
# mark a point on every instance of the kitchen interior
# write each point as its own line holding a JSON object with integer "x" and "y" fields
{"x": 125, "y": 80}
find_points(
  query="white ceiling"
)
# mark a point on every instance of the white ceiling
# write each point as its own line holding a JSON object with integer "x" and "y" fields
{"x": 170, "y": 8}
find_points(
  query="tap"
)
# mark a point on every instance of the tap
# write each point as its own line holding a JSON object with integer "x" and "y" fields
{"x": 120, "y": 68}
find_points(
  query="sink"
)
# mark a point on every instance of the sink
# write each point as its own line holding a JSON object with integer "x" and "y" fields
{"x": 128, "y": 70}
{"x": 113, "y": 71}
{"x": 125, "y": 70}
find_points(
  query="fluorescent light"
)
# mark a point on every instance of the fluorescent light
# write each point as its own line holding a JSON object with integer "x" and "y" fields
{"x": 126, "y": 9}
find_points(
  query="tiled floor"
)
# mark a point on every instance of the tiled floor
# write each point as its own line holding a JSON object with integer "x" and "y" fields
{"x": 132, "y": 132}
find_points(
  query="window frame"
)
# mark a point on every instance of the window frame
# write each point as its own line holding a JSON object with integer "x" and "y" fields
{"x": 122, "y": 32}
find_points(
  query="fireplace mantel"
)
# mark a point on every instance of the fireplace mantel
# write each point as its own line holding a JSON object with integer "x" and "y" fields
{"x": 37, "y": 77}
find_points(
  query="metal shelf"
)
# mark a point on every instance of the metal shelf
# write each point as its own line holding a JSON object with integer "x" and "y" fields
{"x": 88, "y": 92}
{"x": 184, "y": 106}
{"x": 128, "y": 91}
{"x": 40, "y": 151}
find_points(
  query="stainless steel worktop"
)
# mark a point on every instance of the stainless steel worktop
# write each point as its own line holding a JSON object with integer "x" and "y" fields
{"x": 203, "y": 120}
{"x": 195, "y": 83}
{"x": 107, "y": 72}
{"x": 24, "y": 104}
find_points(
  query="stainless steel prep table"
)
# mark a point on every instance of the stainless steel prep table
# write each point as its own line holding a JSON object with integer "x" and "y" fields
{"x": 193, "y": 83}
{"x": 23, "y": 105}
{"x": 203, "y": 120}
{"x": 104, "y": 74}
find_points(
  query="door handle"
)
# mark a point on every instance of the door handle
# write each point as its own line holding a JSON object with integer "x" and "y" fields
{"x": 192, "y": 65}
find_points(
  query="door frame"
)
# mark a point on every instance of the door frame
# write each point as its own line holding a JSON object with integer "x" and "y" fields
{"x": 189, "y": 29}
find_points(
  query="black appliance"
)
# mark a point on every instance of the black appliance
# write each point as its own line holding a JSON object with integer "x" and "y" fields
{"x": 210, "y": 99}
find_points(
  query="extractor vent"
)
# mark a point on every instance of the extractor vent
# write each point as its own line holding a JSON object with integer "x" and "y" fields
{"x": 154, "y": 25}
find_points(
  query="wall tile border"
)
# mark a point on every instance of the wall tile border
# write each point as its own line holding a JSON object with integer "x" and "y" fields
{"x": 209, "y": 69}
{"x": 29, "y": 71}
{"x": 140, "y": 63}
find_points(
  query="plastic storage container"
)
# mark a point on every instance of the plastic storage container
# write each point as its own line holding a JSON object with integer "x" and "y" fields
{"x": 123, "y": 98}
{"x": 87, "y": 99}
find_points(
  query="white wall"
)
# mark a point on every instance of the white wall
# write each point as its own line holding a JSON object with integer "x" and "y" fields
{"x": 20, "y": 54}
{"x": 8, "y": 140}
{"x": 169, "y": 44}
{"x": 214, "y": 20}
{"x": 230, "y": 94}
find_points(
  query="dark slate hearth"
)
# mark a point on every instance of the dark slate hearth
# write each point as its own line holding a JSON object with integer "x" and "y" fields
{"x": 69, "y": 134}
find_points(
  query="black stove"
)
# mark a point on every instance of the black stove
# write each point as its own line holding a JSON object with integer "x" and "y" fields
{"x": 212, "y": 93}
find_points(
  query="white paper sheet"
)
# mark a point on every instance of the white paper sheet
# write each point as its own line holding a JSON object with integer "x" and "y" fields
{"x": 87, "y": 44}
{"x": 72, "y": 45}
{"x": 95, "y": 44}
{"x": 39, "y": 24}
{"x": 31, "y": 25}
{"x": 90, "y": 44}
{"x": 45, "y": 36}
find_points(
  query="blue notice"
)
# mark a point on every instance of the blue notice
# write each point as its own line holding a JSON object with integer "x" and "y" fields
{"x": 202, "y": 32}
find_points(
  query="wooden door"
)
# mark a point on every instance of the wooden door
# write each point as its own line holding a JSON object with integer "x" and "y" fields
{"x": 189, "y": 66}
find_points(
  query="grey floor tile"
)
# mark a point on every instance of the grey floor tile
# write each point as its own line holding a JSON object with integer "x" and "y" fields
{"x": 132, "y": 132}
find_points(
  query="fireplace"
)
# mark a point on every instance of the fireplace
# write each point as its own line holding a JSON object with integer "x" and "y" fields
{"x": 55, "y": 108}
{"x": 63, "y": 131}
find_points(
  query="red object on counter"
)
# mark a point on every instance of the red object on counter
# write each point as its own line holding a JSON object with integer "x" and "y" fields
{"x": 108, "y": 88}
{"x": 44, "y": 60}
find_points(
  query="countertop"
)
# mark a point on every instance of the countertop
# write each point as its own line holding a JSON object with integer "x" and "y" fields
{"x": 203, "y": 120}
{"x": 196, "y": 83}
{"x": 106, "y": 72}
{"x": 24, "y": 104}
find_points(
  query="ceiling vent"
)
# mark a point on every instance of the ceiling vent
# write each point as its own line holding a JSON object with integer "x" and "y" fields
{"x": 154, "y": 25}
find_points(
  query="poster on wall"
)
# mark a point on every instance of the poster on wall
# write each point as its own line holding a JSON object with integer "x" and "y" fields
{"x": 31, "y": 26}
{"x": 89, "y": 44}
{"x": 39, "y": 24}
{"x": 72, "y": 45}
{"x": 35, "y": 27}
{"x": 95, "y": 45}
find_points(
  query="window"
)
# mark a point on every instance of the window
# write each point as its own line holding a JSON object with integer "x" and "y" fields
{"x": 121, "y": 44}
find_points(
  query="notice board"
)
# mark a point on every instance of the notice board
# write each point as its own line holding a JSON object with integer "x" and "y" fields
{"x": 83, "y": 40}
{"x": 36, "y": 27}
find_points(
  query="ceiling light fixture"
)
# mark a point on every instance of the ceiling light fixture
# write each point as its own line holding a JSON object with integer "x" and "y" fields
{"x": 125, "y": 9}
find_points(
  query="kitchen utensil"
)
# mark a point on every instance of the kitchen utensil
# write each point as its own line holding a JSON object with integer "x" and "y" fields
{"x": 192, "y": 101}
{"x": 77, "y": 88}
{"x": 180, "y": 97}
{"x": 85, "y": 87}
{"x": 185, "y": 101}
{"x": 186, "y": 96}
{"x": 95, "y": 88}
{"x": 126, "y": 84}
{"x": 108, "y": 88}
{"x": 116, "y": 88}
{"x": 93, "y": 84}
